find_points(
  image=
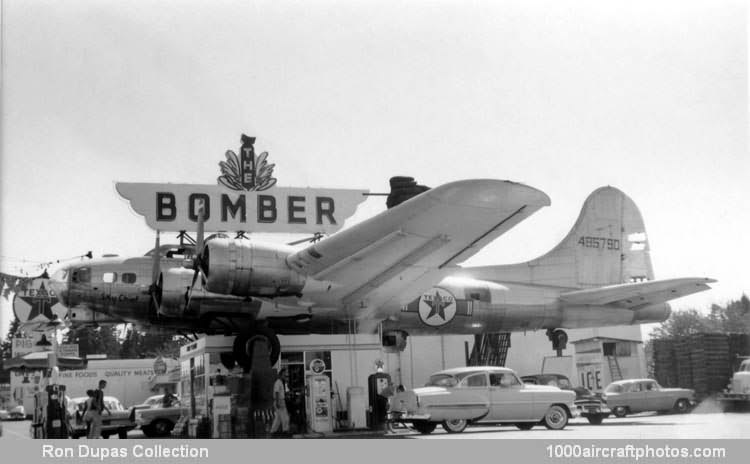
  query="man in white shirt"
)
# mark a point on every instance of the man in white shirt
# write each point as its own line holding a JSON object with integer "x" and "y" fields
{"x": 281, "y": 415}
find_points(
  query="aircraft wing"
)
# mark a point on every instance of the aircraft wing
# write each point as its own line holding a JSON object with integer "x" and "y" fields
{"x": 637, "y": 295}
{"x": 398, "y": 249}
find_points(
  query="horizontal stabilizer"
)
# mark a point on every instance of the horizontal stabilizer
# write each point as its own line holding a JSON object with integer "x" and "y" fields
{"x": 639, "y": 294}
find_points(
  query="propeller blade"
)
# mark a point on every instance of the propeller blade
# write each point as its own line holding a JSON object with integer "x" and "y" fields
{"x": 157, "y": 257}
{"x": 156, "y": 295}
{"x": 201, "y": 225}
{"x": 189, "y": 294}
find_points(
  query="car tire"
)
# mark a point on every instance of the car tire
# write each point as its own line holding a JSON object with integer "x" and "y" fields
{"x": 620, "y": 411}
{"x": 556, "y": 417}
{"x": 525, "y": 425}
{"x": 162, "y": 427}
{"x": 682, "y": 406}
{"x": 596, "y": 419}
{"x": 122, "y": 434}
{"x": 455, "y": 425}
{"x": 424, "y": 427}
{"x": 105, "y": 436}
{"x": 148, "y": 431}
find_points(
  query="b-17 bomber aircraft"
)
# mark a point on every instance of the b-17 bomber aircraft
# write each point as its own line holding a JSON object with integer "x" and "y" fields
{"x": 398, "y": 271}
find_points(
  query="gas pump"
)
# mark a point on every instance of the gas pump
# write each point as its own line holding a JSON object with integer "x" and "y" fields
{"x": 377, "y": 383}
{"x": 319, "y": 418}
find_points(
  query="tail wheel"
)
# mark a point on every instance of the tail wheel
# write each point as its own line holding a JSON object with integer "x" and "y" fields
{"x": 620, "y": 411}
{"x": 243, "y": 346}
{"x": 455, "y": 425}
{"x": 556, "y": 417}
{"x": 424, "y": 427}
{"x": 682, "y": 406}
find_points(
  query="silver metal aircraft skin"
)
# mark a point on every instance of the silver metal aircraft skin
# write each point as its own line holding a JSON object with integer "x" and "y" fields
{"x": 399, "y": 268}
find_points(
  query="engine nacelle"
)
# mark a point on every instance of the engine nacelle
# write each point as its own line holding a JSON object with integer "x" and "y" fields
{"x": 394, "y": 341}
{"x": 654, "y": 313}
{"x": 247, "y": 268}
{"x": 174, "y": 290}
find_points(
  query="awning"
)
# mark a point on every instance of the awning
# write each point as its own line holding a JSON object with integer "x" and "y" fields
{"x": 43, "y": 360}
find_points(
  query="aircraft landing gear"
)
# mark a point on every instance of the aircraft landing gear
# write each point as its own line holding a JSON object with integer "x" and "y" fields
{"x": 559, "y": 339}
{"x": 245, "y": 341}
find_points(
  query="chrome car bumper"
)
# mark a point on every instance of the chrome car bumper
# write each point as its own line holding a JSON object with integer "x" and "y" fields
{"x": 586, "y": 409}
{"x": 404, "y": 416}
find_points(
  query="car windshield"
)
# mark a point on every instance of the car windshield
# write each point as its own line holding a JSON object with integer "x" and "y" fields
{"x": 560, "y": 382}
{"x": 112, "y": 404}
{"x": 613, "y": 388}
{"x": 441, "y": 380}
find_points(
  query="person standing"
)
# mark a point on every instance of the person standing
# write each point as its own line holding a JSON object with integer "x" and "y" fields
{"x": 87, "y": 407}
{"x": 281, "y": 415}
{"x": 97, "y": 408}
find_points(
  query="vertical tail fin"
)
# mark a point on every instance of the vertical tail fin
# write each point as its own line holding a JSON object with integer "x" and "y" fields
{"x": 607, "y": 245}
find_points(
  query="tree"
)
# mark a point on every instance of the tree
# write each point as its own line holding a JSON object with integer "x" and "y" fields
{"x": 6, "y": 347}
{"x": 95, "y": 340}
{"x": 732, "y": 318}
{"x": 149, "y": 344}
{"x": 683, "y": 323}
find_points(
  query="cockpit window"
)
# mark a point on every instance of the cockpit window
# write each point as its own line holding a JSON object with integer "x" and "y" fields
{"x": 128, "y": 278}
{"x": 82, "y": 275}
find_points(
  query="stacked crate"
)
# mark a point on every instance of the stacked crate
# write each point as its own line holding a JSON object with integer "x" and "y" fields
{"x": 665, "y": 363}
{"x": 709, "y": 363}
{"x": 684, "y": 366}
{"x": 240, "y": 423}
{"x": 739, "y": 345}
{"x": 225, "y": 426}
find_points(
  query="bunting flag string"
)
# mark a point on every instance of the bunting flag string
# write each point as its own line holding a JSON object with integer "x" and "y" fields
{"x": 13, "y": 284}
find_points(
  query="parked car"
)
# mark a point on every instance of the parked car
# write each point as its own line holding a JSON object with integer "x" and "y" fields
{"x": 588, "y": 404}
{"x": 457, "y": 397}
{"x": 637, "y": 395}
{"x": 150, "y": 402}
{"x": 158, "y": 420}
{"x": 116, "y": 422}
{"x": 16, "y": 413}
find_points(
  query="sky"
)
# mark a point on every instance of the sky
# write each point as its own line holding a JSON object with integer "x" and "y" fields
{"x": 565, "y": 96}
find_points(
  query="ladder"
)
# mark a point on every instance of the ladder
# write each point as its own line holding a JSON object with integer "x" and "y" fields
{"x": 490, "y": 349}
{"x": 614, "y": 368}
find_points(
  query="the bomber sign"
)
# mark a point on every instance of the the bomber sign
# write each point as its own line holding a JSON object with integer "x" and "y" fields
{"x": 245, "y": 199}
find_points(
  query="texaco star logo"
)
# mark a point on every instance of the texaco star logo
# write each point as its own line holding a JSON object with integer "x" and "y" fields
{"x": 437, "y": 307}
{"x": 38, "y": 303}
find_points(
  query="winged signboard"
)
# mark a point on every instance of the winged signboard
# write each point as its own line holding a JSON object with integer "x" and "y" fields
{"x": 245, "y": 198}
